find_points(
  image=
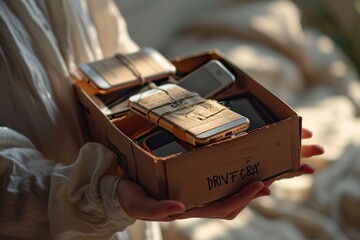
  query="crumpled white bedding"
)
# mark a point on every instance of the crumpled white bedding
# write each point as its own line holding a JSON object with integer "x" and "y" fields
{"x": 306, "y": 69}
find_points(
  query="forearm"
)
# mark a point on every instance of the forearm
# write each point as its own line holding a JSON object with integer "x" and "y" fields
{"x": 83, "y": 200}
{"x": 55, "y": 200}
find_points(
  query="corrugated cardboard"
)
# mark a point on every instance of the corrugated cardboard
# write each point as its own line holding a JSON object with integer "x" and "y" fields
{"x": 207, "y": 173}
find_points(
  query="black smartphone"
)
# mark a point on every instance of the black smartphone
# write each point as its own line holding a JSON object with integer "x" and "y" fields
{"x": 247, "y": 105}
{"x": 163, "y": 143}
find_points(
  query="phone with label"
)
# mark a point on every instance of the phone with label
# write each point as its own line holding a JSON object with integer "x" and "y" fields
{"x": 162, "y": 143}
{"x": 188, "y": 116}
{"x": 122, "y": 71}
{"x": 208, "y": 79}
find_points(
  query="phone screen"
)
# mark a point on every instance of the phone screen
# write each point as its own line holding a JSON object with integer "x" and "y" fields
{"x": 209, "y": 79}
{"x": 169, "y": 149}
{"x": 163, "y": 144}
{"x": 251, "y": 108}
{"x": 201, "y": 82}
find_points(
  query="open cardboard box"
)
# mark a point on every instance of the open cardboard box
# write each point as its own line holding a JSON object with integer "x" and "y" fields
{"x": 210, "y": 172}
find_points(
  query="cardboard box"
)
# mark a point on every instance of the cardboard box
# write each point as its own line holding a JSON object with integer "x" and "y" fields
{"x": 207, "y": 173}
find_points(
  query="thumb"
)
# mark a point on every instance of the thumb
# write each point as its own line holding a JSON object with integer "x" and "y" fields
{"x": 137, "y": 204}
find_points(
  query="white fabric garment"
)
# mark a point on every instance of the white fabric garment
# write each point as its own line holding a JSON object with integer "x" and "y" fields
{"x": 41, "y": 42}
{"x": 81, "y": 203}
{"x": 41, "y": 52}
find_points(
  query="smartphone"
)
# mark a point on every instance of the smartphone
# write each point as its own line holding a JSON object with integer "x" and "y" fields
{"x": 163, "y": 143}
{"x": 122, "y": 71}
{"x": 246, "y": 104}
{"x": 208, "y": 79}
{"x": 188, "y": 116}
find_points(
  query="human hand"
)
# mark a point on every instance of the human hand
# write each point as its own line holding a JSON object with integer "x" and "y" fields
{"x": 137, "y": 204}
{"x": 307, "y": 151}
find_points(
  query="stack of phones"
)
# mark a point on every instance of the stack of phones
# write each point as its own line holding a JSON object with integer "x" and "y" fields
{"x": 125, "y": 77}
{"x": 162, "y": 143}
{"x": 188, "y": 116}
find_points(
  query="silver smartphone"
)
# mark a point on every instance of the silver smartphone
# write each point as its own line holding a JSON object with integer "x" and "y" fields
{"x": 122, "y": 71}
{"x": 208, "y": 79}
{"x": 188, "y": 116}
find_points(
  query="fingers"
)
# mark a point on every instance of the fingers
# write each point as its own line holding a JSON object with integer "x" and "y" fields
{"x": 138, "y": 205}
{"x": 227, "y": 207}
{"x": 304, "y": 169}
{"x": 263, "y": 192}
{"x": 306, "y": 133}
{"x": 152, "y": 210}
{"x": 311, "y": 150}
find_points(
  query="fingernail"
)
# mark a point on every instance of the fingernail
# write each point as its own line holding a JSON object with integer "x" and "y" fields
{"x": 308, "y": 168}
{"x": 258, "y": 184}
{"x": 175, "y": 210}
{"x": 263, "y": 192}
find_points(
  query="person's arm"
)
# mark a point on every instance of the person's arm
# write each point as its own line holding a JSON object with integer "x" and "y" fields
{"x": 83, "y": 199}
{"x": 40, "y": 199}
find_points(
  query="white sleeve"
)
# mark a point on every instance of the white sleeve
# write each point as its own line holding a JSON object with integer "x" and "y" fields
{"x": 40, "y": 199}
{"x": 83, "y": 202}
